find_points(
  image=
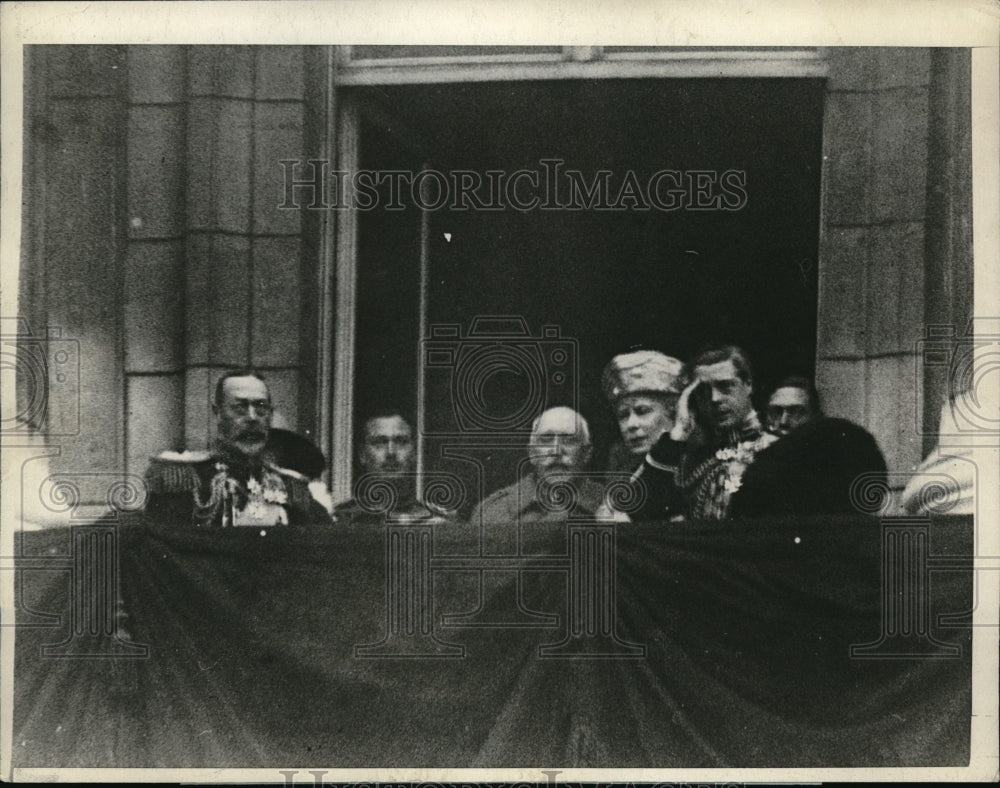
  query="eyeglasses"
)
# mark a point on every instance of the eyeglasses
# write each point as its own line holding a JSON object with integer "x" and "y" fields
{"x": 241, "y": 407}
{"x": 553, "y": 439}
{"x": 775, "y": 412}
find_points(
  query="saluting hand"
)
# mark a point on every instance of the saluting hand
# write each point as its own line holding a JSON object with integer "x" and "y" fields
{"x": 684, "y": 423}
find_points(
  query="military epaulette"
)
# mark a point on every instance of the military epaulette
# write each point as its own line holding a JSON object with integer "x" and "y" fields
{"x": 288, "y": 472}
{"x": 503, "y": 492}
{"x": 174, "y": 472}
{"x": 439, "y": 511}
{"x": 183, "y": 456}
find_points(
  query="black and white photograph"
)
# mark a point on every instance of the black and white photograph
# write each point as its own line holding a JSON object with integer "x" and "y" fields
{"x": 470, "y": 392}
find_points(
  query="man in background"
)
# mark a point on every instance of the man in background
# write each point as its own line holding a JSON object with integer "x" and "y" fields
{"x": 387, "y": 458}
{"x": 793, "y": 402}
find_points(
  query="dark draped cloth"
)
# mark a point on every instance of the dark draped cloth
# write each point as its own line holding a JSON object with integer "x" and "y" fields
{"x": 730, "y": 645}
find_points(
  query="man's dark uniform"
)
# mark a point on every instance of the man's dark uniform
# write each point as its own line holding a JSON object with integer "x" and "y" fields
{"x": 698, "y": 482}
{"x": 202, "y": 489}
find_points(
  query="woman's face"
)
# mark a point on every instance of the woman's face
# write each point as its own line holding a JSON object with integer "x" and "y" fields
{"x": 643, "y": 418}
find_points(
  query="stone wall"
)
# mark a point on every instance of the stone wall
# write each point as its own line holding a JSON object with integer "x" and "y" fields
{"x": 153, "y": 237}
{"x": 874, "y": 296}
{"x": 153, "y": 191}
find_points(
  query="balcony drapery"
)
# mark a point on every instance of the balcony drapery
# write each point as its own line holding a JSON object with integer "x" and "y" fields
{"x": 724, "y": 645}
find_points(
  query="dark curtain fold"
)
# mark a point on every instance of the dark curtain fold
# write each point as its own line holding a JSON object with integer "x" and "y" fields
{"x": 252, "y": 659}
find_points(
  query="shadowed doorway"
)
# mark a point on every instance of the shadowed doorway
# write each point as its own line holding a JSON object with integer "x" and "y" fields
{"x": 603, "y": 279}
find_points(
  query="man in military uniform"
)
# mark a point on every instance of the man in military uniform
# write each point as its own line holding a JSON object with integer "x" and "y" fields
{"x": 558, "y": 450}
{"x": 234, "y": 484}
{"x": 695, "y": 469}
{"x": 387, "y": 489}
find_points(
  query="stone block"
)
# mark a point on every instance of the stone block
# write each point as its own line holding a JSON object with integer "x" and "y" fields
{"x": 894, "y": 284}
{"x": 841, "y": 386}
{"x": 847, "y": 158}
{"x": 899, "y": 160}
{"x": 279, "y": 72}
{"x": 155, "y": 418}
{"x": 850, "y": 68}
{"x": 277, "y": 301}
{"x": 219, "y": 145}
{"x": 232, "y": 294}
{"x": 284, "y": 387}
{"x": 894, "y": 67}
{"x": 221, "y": 71}
{"x": 79, "y": 71}
{"x": 843, "y": 265}
{"x": 156, "y": 169}
{"x": 156, "y": 74}
{"x": 199, "y": 424}
{"x": 277, "y": 136}
{"x": 218, "y": 297}
{"x": 894, "y": 396}
{"x": 154, "y": 307}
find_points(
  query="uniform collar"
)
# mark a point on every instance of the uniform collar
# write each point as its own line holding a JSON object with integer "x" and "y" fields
{"x": 747, "y": 430}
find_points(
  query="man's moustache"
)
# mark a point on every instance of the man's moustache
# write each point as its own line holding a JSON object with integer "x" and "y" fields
{"x": 255, "y": 435}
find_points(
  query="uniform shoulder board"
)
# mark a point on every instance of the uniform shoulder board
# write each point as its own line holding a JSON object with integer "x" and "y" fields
{"x": 438, "y": 511}
{"x": 182, "y": 456}
{"x": 515, "y": 491}
{"x": 172, "y": 471}
{"x": 289, "y": 473}
{"x": 503, "y": 492}
{"x": 297, "y": 487}
{"x": 765, "y": 440}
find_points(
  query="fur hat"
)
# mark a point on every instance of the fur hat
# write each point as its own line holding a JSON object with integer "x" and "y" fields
{"x": 642, "y": 372}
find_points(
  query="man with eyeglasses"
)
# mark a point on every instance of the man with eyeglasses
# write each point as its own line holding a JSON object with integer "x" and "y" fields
{"x": 793, "y": 402}
{"x": 234, "y": 484}
{"x": 558, "y": 451}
